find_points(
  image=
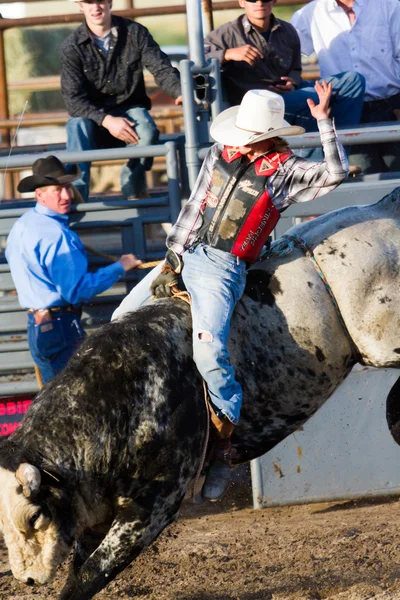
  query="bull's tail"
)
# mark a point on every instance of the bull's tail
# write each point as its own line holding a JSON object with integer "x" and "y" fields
{"x": 393, "y": 411}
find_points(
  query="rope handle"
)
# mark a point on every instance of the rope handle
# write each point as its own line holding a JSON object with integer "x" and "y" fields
{"x": 113, "y": 259}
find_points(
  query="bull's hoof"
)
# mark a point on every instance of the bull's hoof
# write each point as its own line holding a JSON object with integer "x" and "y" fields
{"x": 217, "y": 481}
{"x": 73, "y": 591}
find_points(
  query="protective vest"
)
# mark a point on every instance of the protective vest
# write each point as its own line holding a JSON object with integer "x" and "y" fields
{"x": 239, "y": 214}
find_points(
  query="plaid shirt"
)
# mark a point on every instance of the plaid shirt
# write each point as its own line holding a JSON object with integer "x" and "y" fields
{"x": 297, "y": 180}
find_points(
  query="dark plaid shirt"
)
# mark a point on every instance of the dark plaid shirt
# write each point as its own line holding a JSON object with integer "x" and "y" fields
{"x": 94, "y": 83}
{"x": 281, "y": 54}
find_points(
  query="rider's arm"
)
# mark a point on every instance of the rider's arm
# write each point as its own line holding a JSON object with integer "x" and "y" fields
{"x": 306, "y": 180}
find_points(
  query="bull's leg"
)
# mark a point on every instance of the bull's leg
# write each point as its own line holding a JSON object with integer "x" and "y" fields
{"x": 133, "y": 529}
{"x": 85, "y": 546}
{"x": 393, "y": 411}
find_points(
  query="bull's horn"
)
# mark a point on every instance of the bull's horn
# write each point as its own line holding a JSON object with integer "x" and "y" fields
{"x": 29, "y": 477}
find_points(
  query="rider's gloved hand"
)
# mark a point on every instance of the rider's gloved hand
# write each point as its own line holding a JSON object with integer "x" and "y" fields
{"x": 169, "y": 278}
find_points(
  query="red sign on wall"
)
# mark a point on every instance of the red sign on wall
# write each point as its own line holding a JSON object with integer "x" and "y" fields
{"x": 12, "y": 410}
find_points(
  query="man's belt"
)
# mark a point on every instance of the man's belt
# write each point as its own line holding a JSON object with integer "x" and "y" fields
{"x": 42, "y": 315}
{"x": 68, "y": 308}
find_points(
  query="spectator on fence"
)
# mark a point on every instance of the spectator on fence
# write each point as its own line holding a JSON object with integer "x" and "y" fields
{"x": 364, "y": 36}
{"x": 104, "y": 91}
{"x": 257, "y": 50}
{"x": 49, "y": 267}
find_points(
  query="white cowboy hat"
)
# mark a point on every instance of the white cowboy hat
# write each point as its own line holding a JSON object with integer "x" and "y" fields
{"x": 259, "y": 117}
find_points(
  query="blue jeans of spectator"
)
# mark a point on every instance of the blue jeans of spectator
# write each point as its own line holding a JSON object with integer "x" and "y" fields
{"x": 215, "y": 281}
{"x": 85, "y": 134}
{"x": 378, "y": 158}
{"x": 346, "y": 106}
{"x": 52, "y": 343}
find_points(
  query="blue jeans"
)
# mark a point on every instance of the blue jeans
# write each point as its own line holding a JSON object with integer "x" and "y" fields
{"x": 52, "y": 343}
{"x": 346, "y": 103}
{"x": 139, "y": 295}
{"x": 377, "y": 158}
{"x": 85, "y": 134}
{"x": 216, "y": 282}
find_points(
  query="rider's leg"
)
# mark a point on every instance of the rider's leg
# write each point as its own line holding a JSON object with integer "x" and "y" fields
{"x": 215, "y": 281}
{"x": 139, "y": 295}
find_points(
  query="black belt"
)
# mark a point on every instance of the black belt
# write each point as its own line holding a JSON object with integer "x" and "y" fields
{"x": 77, "y": 310}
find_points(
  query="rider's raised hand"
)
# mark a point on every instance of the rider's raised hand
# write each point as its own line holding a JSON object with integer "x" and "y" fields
{"x": 324, "y": 91}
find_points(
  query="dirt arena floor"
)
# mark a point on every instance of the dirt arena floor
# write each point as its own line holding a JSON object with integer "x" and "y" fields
{"x": 228, "y": 551}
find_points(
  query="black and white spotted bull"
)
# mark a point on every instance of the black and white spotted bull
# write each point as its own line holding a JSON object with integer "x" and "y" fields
{"x": 108, "y": 449}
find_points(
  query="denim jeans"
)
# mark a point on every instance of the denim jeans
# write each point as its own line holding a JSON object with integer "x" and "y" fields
{"x": 346, "y": 103}
{"x": 377, "y": 158}
{"x": 52, "y": 343}
{"x": 139, "y": 295}
{"x": 85, "y": 134}
{"x": 215, "y": 281}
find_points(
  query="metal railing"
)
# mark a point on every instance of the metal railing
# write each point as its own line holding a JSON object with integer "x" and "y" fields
{"x": 51, "y": 20}
{"x": 169, "y": 150}
{"x": 112, "y": 224}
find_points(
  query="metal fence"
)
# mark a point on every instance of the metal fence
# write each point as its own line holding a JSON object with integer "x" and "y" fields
{"x": 115, "y": 226}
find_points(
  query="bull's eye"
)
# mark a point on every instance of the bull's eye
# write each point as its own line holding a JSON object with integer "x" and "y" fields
{"x": 33, "y": 519}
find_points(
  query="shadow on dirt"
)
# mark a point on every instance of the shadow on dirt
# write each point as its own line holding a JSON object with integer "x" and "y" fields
{"x": 360, "y": 503}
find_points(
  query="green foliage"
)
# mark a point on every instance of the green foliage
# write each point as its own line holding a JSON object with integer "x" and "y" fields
{"x": 34, "y": 53}
{"x": 43, "y": 45}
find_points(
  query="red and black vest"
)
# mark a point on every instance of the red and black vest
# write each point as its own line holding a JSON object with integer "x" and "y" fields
{"x": 239, "y": 214}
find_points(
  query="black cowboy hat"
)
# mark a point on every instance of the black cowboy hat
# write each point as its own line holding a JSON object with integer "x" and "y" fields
{"x": 48, "y": 171}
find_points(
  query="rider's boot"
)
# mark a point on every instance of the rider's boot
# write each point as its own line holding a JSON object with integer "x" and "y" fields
{"x": 219, "y": 471}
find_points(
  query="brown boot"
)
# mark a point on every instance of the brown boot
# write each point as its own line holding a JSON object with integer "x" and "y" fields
{"x": 219, "y": 470}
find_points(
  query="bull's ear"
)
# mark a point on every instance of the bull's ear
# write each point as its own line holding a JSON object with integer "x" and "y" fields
{"x": 29, "y": 477}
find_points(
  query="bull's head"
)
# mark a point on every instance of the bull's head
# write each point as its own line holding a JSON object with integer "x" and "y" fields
{"x": 34, "y": 542}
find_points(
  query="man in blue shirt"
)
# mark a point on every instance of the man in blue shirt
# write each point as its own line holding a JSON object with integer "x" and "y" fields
{"x": 49, "y": 267}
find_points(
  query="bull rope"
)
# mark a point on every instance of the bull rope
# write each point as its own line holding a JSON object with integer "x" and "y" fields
{"x": 286, "y": 247}
{"x": 38, "y": 376}
{"x": 114, "y": 259}
{"x": 205, "y": 446}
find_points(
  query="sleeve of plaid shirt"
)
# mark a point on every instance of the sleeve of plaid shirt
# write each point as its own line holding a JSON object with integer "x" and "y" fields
{"x": 305, "y": 180}
{"x": 190, "y": 219}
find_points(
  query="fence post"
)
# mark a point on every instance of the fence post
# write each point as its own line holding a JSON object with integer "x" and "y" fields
{"x": 216, "y": 88}
{"x": 208, "y": 19}
{"x": 8, "y": 183}
{"x": 174, "y": 194}
{"x": 189, "y": 115}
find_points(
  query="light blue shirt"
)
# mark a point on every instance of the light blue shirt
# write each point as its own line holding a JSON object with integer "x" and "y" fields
{"x": 48, "y": 262}
{"x": 370, "y": 45}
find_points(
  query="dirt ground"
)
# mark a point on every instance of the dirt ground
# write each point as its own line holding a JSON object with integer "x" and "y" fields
{"x": 228, "y": 551}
